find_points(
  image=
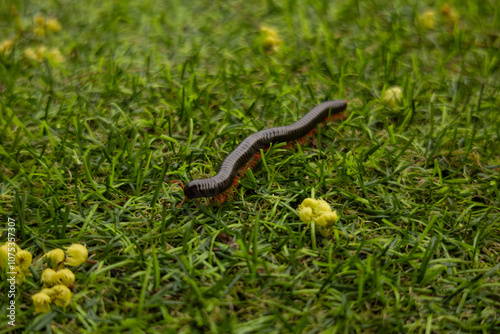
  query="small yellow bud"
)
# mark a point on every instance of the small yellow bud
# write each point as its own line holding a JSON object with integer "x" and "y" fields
{"x": 272, "y": 43}
{"x": 42, "y": 302}
{"x": 428, "y": 19}
{"x": 49, "y": 277}
{"x": 56, "y": 256}
{"x": 64, "y": 277}
{"x": 4, "y": 255}
{"x": 53, "y": 25}
{"x": 393, "y": 97}
{"x": 60, "y": 295}
{"x": 271, "y": 40}
{"x": 23, "y": 259}
{"x": 305, "y": 213}
{"x": 76, "y": 255}
{"x": 39, "y": 20}
{"x": 327, "y": 219}
{"x": 31, "y": 55}
{"x": 41, "y": 52}
{"x": 310, "y": 202}
{"x": 6, "y": 46}
{"x": 322, "y": 207}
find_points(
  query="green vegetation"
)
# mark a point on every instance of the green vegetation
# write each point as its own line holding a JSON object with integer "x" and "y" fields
{"x": 98, "y": 118}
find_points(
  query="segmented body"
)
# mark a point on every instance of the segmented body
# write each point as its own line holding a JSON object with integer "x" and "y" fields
{"x": 243, "y": 153}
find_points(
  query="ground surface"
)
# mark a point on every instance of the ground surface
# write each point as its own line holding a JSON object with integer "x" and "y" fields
{"x": 143, "y": 92}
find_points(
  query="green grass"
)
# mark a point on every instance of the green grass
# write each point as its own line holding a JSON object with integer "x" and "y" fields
{"x": 151, "y": 92}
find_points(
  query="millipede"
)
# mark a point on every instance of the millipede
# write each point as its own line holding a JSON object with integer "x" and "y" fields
{"x": 247, "y": 153}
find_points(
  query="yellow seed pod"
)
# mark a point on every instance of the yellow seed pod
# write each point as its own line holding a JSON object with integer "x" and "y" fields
{"x": 42, "y": 302}
{"x": 56, "y": 256}
{"x": 39, "y": 20}
{"x": 268, "y": 31}
{"x": 6, "y": 46}
{"x": 393, "y": 97}
{"x": 60, "y": 295}
{"x": 53, "y": 25}
{"x": 428, "y": 19}
{"x": 305, "y": 213}
{"x": 23, "y": 259}
{"x": 64, "y": 277}
{"x": 270, "y": 38}
{"x": 310, "y": 202}
{"x": 322, "y": 207}
{"x": 327, "y": 219}
{"x": 4, "y": 255}
{"x": 49, "y": 277}
{"x": 76, "y": 255}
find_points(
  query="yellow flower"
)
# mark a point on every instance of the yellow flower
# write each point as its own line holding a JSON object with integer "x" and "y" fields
{"x": 23, "y": 259}
{"x": 56, "y": 256}
{"x": 310, "y": 202}
{"x": 327, "y": 219}
{"x": 305, "y": 213}
{"x": 49, "y": 277}
{"x": 393, "y": 97}
{"x": 53, "y": 25}
{"x": 322, "y": 207}
{"x": 6, "y": 46}
{"x": 268, "y": 31}
{"x": 31, "y": 55}
{"x": 428, "y": 19}
{"x": 55, "y": 55}
{"x": 39, "y": 20}
{"x": 64, "y": 277}
{"x": 42, "y": 302}
{"x": 60, "y": 295}
{"x": 449, "y": 14}
{"x": 4, "y": 255}
{"x": 76, "y": 255}
{"x": 312, "y": 208}
{"x": 271, "y": 40}
{"x": 41, "y": 52}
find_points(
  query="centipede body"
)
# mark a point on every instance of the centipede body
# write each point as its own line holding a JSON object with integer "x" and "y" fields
{"x": 213, "y": 186}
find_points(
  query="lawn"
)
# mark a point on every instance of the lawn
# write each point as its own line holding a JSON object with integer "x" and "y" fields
{"x": 104, "y": 103}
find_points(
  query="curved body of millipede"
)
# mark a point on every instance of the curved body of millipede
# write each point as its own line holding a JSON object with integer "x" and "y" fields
{"x": 242, "y": 155}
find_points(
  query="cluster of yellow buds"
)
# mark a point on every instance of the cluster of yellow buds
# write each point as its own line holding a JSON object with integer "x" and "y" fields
{"x": 6, "y": 46}
{"x": 16, "y": 260}
{"x": 74, "y": 256}
{"x": 448, "y": 14}
{"x": 270, "y": 39}
{"x": 57, "y": 280}
{"x": 42, "y": 26}
{"x": 59, "y": 295}
{"x": 320, "y": 212}
{"x": 41, "y": 53}
{"x": 45, "y": 25}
